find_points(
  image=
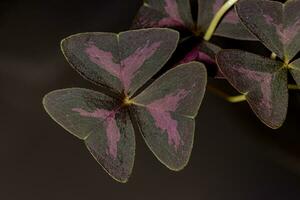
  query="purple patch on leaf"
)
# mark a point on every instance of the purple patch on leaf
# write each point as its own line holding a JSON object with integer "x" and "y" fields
{"x": 131, "y": 64}
{"x": 161, "y": 112}
{"x": 112, "y": 131}
{"x": 231, "y": 17}
{"x": 286, "y": 34}
{"x": 265, "y": 81}
{"x": 269, "y": 19}
{"x": 103, "y": 59}
{"x": 174, "y": 19}
{"x": 289, "y": 33}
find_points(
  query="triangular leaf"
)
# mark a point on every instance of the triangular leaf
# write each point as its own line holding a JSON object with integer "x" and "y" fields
{"x": 121, "y": 63}
{"x": 100, "y": 122}
{"x": 165, "y": 113}
{"x": 262, "y": 80}
{"x": 164, "y": 13}
{"x": 230, "y": 26}
{"x": 277, "y": 25}
{"x": 295, "y": 71}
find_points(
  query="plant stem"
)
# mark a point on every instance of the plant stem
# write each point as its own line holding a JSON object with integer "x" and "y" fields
{"x": 293, "y": 87}
{"x": 231, "y": 99}
{"x": 217, "y": 18}
{"x": 238, "y": 98}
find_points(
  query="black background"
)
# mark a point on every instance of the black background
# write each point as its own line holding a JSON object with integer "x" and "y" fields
{"x": 235, "y": 156}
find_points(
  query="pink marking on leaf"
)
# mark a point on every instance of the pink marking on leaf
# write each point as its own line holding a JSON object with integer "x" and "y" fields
{"x": 103, "y": 59}
{"x": 174, "y": 19}
{"x": 112, "y": 131}
{"x": 132, "y": 64}
{"x": 269, "y": 19}
{"x": 289, "y": 33}
{"x": 286, "y": 34}
{"x": 160, "y": 111}
{"x": 265, "y": 81}
{"x": 231, "y": 17}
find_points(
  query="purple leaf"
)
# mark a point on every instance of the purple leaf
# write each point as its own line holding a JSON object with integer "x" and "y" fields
{"x": 99, "y": 121}
{"x": 165, "y": 113}
{"x": 262, "y": 80}
{"x": 205, "y": 53}
{"x": 277, "y": 25}
{"x": 120, "y": 63}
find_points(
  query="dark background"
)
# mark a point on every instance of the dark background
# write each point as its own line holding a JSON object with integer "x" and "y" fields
{"x": 235, "y": 156}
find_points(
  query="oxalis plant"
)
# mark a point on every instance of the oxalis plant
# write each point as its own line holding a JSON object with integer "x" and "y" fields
{"x": 137, "y": 94}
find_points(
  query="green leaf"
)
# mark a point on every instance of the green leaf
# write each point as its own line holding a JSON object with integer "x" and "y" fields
{"x": 262, "y": 80}
{"x": 230, "y": 26}
{"x": 165, "y": 113}
{"x": 164, "y": 13}
{"x": 98, "y": 120}
{"x": 121, "y": 63}
{"x": 295, "y": 71}
{"x": 275, "y": 24}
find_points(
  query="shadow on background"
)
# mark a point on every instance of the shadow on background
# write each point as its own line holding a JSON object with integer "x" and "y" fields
{"x": 235, "y": 156}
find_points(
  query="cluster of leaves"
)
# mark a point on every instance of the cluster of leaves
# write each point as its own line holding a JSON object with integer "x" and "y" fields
{"x": 123, "y": 66}
{"x": 178, "y": 15}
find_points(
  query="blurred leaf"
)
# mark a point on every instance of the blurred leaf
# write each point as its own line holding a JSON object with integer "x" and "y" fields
{"x": 230, "y": 26}
{"x": 165, "y": 13}
{"x": 262, "y": 80}
{"x": 277, "y": 25}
